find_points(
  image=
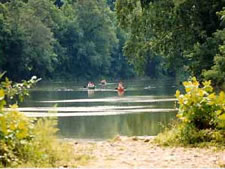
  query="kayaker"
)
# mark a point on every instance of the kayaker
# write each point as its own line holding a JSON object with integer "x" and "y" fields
{"x": 103, "y": 82}
{"x": 120, "y": 86}
{"x": 91, "y": 85}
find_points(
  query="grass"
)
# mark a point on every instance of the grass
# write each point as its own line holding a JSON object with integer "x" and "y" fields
{"x": 65, "y": 158}
{"x": 179, "y": 135}
{"x": 43, "y": 149}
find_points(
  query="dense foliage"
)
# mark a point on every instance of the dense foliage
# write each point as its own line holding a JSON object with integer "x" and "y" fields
{"x": 184, "y": 35}
{"x": 200, "y": 106}
{"x": 69, "y": 39}
{"x": 28, "y": 142}
{"x": 201, "y": 114}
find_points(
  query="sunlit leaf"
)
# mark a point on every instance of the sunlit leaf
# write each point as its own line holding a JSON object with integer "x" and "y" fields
{"x": 194, "y": 79}
{"x": 180, "y": 100}
{"x": 21, "y": 135}
{"x": 218, "y": 112}
{"x": 201, "y": 93}
{"x": 2, "y": 94}
{"x": 222, "y": 120}
{"x": 177, "y": 93}
{"x": 187, "y": 89}
{"x": 14, "y": 106}
{"x": 185, "y": 83}
{"x": 212, "y": 96}
{"x": 221, "y": 97}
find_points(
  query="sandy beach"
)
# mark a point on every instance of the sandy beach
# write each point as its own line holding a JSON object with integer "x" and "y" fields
{"x": 141, "y": 152}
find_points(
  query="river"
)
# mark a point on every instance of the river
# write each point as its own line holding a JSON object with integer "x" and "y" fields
{"x": 144, "y": 108}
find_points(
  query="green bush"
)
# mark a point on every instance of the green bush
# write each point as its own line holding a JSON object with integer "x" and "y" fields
{"x": 28, "y": 142}
{"x": 201, "y": 116}
{"x": 200, "y": 106}
{"x": 15, "y": 135}
{"x": 16, "y": 130}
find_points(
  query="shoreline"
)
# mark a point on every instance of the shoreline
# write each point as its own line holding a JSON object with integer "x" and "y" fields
{"x": 101, "y": 140}
{"x": 140, "y": 151}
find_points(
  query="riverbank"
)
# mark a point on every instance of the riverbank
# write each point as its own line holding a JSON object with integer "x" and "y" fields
{"x": 133, "y": 152}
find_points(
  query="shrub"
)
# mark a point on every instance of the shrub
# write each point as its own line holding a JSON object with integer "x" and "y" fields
{"x": 201, "y": 116}
{"x": 200, "y": 106}
{"x": 16, "y": 130}
{"x": 15, "y": 135}
{"x": 28, "y": 142}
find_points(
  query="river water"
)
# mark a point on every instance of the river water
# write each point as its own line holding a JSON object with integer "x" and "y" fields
{"x": 144, "y": 108}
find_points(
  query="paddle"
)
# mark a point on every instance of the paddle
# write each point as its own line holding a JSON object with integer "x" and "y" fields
{"x": 123, "y": 88}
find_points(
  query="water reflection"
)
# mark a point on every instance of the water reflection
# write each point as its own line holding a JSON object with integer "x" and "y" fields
{"x": 108, "y": 127}
{"x": 91, "y": 93}
{"x": 120, "y": 93}
{"x": 104, "y": 112}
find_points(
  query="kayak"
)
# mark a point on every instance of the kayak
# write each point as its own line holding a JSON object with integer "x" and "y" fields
{"x": 120, "y": 89}
{"x": 91, "y": 87}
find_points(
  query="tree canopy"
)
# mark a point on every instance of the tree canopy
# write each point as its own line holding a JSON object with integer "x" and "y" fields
{"x": 81, "y": 39}
{"x": 70, "y": 39}
{"x": 187, "y": 35}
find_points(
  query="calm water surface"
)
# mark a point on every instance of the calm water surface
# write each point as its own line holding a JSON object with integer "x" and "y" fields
{"x": 103, "y": 113}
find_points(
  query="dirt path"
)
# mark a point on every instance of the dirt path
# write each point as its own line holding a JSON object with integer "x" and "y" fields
{"x": 126, "y": 152}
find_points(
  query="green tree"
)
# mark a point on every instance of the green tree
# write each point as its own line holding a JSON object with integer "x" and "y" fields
{"x": 89, "y": 44}
{"x": 217, "y": 71}
{"x": 120, "y": 67}
{"x": 182, "y": 32}
{"x": 48, "y": 40}
{"x": 29, "y": 44}
{"x": 111, "y": 4}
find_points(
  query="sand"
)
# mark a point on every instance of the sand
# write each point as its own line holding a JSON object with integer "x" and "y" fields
{"x": 141, "y": 152}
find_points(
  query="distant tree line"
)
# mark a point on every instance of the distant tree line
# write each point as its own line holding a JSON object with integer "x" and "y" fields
{"x": 76, "y": 39}
{"x": 81, "y": 39}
